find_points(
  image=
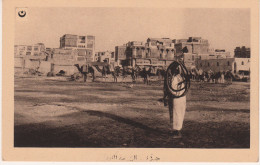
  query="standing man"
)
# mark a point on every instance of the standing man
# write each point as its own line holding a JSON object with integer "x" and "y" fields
{"x": 85, "y": 72}
{"x": 176, "y": 99}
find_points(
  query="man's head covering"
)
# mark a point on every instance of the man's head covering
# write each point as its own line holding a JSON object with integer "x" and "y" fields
{"x": 175, "y": 71}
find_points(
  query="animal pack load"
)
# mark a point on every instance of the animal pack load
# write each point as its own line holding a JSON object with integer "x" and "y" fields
{"x": 85, "y": 68}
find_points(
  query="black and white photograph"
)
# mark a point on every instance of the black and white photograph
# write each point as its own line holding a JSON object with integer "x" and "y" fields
{"x": 132, "y": 77}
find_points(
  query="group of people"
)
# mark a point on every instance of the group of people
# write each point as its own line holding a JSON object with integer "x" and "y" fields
{"x": 134, "y": 72}
{"x": 210, "y": 76}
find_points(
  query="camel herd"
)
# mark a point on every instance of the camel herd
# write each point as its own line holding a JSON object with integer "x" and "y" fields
{"x": 148, "y": 71}
{"x": 117, "y": 71}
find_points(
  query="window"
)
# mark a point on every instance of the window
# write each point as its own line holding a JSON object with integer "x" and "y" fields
{"x": 228, "y": 63}
{"x": 242, "y": 63}
{"x": 201, "y": 64}
{"x": 82, "y": 39}
{"x": 217, "y": 63}
{"x": 192, "y": 58}
{"x": 36, "y": 49}
{"x": 208, "y": 63}
{"x": 89, "y": 45}
{"x": 29, "y": 48}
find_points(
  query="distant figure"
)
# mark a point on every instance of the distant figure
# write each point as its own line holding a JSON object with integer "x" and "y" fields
{"x": 222, "y": 77}
{"x": 85, "y": 72}
{"x": 146, "y": 75}
{"x": 105, "y": 72}
{"x": 133, "y": 74}
{"x": 124, "y": 74}
{"x": 229, "y": 77}
{"x": 115, "y": 73}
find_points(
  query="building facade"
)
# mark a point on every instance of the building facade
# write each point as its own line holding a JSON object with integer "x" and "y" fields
{"x": 242, "y": 52}
{"x": 29, "y": 50}
{"x": 194, "y": 45}
{"x": 106, "y": 56}
{"x": 155, "y": 51}
{"x": 216, "y": 54}
{"x": 120, "y": 54}
{"x": 84, "y": 44}
{"x": 235, "y": 65}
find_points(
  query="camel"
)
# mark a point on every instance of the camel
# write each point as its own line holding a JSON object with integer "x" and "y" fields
{"x": 145, "y": 74}
{"x": 84, "y": 71}
{"x": 105, "y": 71}
{"x": 115, "y": 72}
{"x": 229, "y": 76}
{"x": 161, "y": 72}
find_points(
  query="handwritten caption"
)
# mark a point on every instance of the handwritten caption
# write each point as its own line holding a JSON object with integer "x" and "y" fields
{"x": 134, "y": 157}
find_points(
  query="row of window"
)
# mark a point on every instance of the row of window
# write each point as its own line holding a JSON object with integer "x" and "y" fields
{"x": 228, "y": 63}
{"x": 81, "y": 46}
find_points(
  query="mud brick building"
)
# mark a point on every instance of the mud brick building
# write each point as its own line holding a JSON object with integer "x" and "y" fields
{"x": 84, "y": 44}
{"x": 29, "y": 50}
{"x": 155, "y": 51}
{"x": 242, "y": 52}
{"x": 161, "y": 51}
{"x": 217, "y": 54}
{"x": 194, "y": 45}
{"x": 105, "y": 56}
{"x": 235, "y": 65}
{"x": 120, "y": 54}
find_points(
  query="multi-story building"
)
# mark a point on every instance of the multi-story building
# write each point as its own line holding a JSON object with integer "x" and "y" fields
{"x": 84, "y": 44}
{"x": 156, "y": 51}
{"x": 20, "y": 50}
{"x": 216, "y": 54}
{"x": 191, "y": 49}
{"x": 162, "y": 51}
{"x": 120, "y": 54}
{"x": 235, "y": 65}
{"x": 194, "y": 45}
{"x": 96, "y": 57}
{"x": 106, "y": 56}
{"x": 242, "y": 52}
{"x": 29, "y": 50}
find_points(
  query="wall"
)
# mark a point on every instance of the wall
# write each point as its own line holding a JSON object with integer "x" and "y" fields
{"x": 45, "y": 67}
{"x": 69, "y": 69}
{"x": 215, "y": 65}
{"x": 245, "y": 66}
{"x": 18, "y": 62}
{"x": 120, "y": 52}
{"x": 189, "y": 60}
{"x": 31, "y": 64}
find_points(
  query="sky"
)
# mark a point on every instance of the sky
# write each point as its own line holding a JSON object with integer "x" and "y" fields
{"x": 224, "y": 28}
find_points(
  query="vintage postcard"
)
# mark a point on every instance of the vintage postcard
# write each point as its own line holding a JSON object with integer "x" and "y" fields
{"x": 130, "y": 81}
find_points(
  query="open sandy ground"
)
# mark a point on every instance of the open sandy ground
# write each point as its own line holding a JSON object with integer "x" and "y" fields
{"x": 55, "y": 112}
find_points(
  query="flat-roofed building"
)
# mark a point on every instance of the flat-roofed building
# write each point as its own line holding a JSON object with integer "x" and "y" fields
{"x": 29, "y": 50}
{"x": 242, "y": 52}
{"x": 235, "y": 65}
{"x": 85, "y": 45}
{"x": 120, "y": 54}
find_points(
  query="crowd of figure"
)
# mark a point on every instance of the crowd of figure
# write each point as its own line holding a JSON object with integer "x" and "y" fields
{"x": 147, "y": 71}
{"x": 210, "y": 76}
